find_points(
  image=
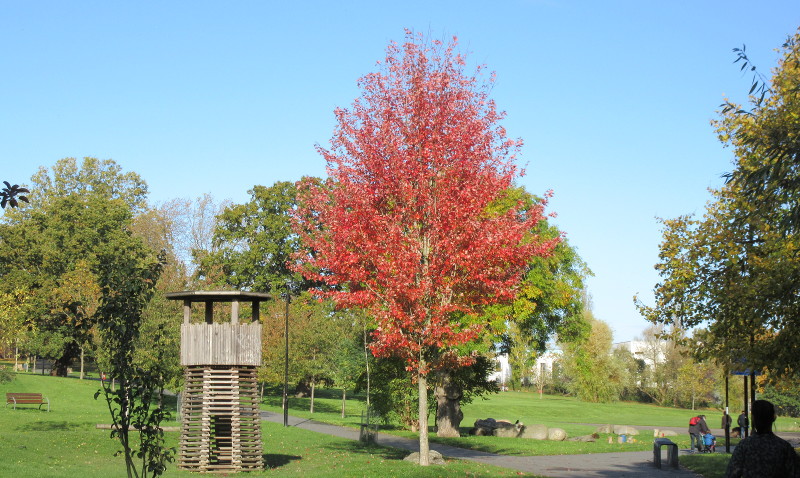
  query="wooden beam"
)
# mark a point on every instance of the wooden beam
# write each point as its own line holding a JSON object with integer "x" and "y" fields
{"x": 235, "y": 311}
{"x": 256, "y": 311}
{"x": 187, "y": 311}
{"x": 209, "y": 311}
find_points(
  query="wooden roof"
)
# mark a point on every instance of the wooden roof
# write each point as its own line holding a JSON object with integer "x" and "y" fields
{"x": 218, "y": 296}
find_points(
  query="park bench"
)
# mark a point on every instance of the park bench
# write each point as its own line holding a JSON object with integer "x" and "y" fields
{"x": 672, "y": 452}
{"x": 27, "y": 398}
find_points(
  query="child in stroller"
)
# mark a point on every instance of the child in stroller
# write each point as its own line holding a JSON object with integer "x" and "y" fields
{"x": 708, "y": 444}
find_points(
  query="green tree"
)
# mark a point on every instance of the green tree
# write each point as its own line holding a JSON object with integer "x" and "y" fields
{"x": 594, "y": 375}
{"x": 549, "y": 302}
{"x": 664, "y": 354}
{"x": 347, "y": 358}
{"x": 92, "y": 177}
{"x": 766, "y": 138}
{"x": 53, "y": 250}
{"x": 12, "y": 321}
{"x": 54, "y": 253}
{"x": 133, "y": 405}
{"x": 633, "y": 374}
{"x": 734, "y": 271}
{"x": 253, "y": 242}
{"x": 522, "y": 355}
{"x": 695, "y": 384}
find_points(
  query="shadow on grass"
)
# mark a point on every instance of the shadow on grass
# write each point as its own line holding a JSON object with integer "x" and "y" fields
{"x": 303, "y": 404}
{"x": 377, "y": 451}
{"x": 275, "y": 461}
{"x": 51, "y": 426}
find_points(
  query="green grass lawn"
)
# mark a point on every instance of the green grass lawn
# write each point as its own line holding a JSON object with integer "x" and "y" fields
{"x": 65, "y": 443}
{"x": 554, "y": 411}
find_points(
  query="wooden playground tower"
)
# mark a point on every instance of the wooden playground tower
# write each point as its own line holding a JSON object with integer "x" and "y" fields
{"x": 221, "y": 425}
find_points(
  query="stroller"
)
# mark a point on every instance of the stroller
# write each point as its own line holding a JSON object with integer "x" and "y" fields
{"x": 708, "y": 444}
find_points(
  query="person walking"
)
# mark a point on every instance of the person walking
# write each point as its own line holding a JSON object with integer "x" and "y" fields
{"x": 744, "y": 424}
{"x": 697, "y": 428}
{"x": 763, "y": 454}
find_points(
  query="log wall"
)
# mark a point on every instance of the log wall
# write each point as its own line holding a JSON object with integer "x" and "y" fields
{"x": 221, "y": 344}
{"x": 221, "y": 428}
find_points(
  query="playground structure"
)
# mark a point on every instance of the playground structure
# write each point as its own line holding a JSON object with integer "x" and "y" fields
{"x": 220, "y": 421}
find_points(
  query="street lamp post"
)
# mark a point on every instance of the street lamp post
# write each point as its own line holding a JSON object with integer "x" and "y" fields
{"x": 286, "y": 364}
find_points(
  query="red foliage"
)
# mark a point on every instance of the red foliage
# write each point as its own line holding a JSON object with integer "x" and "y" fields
{"x": 408, "y": 224}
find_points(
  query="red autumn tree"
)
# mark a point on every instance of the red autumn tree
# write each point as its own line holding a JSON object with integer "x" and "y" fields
{"x": 414, "y": 223}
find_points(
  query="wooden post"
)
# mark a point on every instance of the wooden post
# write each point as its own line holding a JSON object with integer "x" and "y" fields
{"x": 209, "y": 312}
{"x": 256, "y": 311}
{"x": 187, "y": 311}
{"x": 234, "y": 311}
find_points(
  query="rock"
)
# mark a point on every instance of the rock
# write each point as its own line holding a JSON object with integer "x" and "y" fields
{"x": 535, "y": 432}
{"x": 490, "y": 423}
{"x": 481, "y": 431}
{"x": 605, "y": 429}
{"x": 625, "y": 430}
{"x": 508, "y": 430}
{"x": 664, "y": 433}
{"x": 556, "y": 434}
{"x": 584, "y": 438}
{"x": 434, "y": 457}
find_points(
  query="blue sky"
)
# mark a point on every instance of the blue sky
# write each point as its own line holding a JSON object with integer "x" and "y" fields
{"x": 613, "y": 99}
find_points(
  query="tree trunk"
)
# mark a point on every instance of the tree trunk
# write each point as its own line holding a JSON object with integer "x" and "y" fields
{"x": 59, "y": 368}
{"x": 448, "y": 407}
{"x": 313, "y": 388}
{"x": 81, "y": 364}
{"x": 344, "y": 400}
{"x": 424, "y": 449}
{"x": 366, "y": 361}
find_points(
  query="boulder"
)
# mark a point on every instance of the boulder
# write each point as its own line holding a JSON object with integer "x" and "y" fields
{"x": 481, "y": 431}
{"x": 488, "y": 423}
{"x": 434, "y": 457}
{"x": 605, "y": 429}
{"x": 508, "y": 430}
{"x": 535, "y": 432}
{"x": 556, "y": 434}
{"x": 664, "y": 433}
{"x": 625, "y": 430}
{"x": 584, "y": 438}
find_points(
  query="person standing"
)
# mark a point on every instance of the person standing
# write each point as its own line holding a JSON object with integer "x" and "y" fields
{"x": 763, "y": 454}
{"x": 743, "y": 423}
{"x": 726, "y": 420}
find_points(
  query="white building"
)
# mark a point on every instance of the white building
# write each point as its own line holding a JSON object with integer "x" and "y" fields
{"x": 544, "y": 366}
{"x": 502, "y": 371}
{"x": 650, "y": 351}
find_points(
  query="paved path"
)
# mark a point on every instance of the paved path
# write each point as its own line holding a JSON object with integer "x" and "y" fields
{"x": 637, "y": 464}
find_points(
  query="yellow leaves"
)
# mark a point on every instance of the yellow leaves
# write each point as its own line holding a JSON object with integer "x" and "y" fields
{"x": 77, "y": 294}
